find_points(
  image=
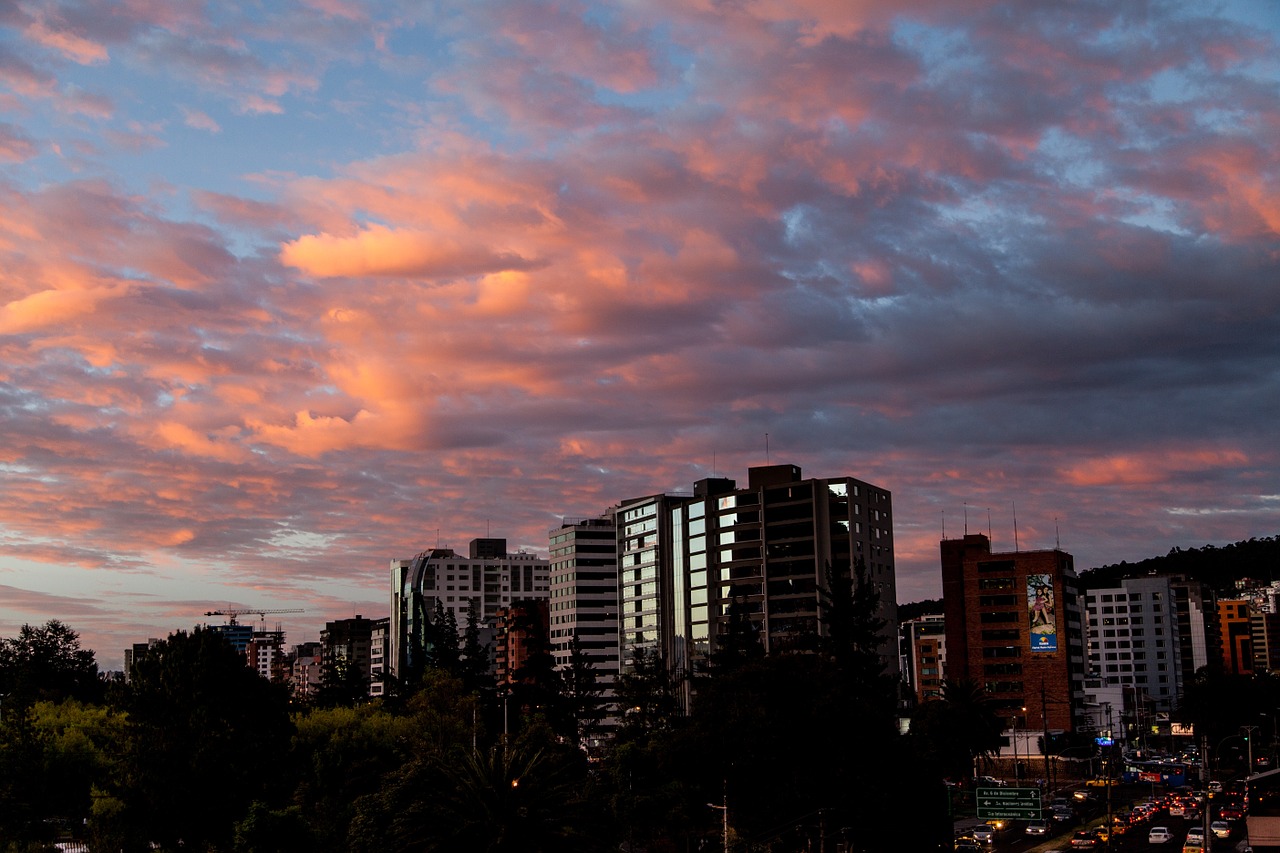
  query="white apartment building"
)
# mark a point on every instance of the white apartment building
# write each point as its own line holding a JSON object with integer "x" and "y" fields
{"x": 1133, "y": 638}
{"x": 488, "y": 578}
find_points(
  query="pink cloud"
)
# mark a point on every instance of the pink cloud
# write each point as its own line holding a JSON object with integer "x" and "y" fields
{"x": 71, "y": 45}
{"x": 1150, "y": 467}
{"x": 381, "y": 251}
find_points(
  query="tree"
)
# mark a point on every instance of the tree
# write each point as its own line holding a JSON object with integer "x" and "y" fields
{"x": 208, "y": 737}
{"x": 342, "y": 682}
{"x": 46, "y": 663}
{"x": 581, "y": 692}
{"x": 951, "y": 732}
{"x": 740, "y": 643}
{"x": 474, "y": 668}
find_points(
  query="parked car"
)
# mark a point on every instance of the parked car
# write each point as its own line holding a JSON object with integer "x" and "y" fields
{"x": 1159, "y": 835}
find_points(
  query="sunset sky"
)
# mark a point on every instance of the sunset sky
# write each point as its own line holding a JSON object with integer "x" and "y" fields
{"x": 291, "y": 289}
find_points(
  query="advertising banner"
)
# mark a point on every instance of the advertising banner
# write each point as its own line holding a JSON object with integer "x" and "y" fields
{"x": 1042, "y": 614}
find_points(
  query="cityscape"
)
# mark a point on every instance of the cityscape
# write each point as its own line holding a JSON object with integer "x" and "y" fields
{"x": 760, "y": 426}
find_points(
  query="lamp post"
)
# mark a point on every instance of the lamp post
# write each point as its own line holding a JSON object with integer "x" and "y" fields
{"x": 724, "y": 815}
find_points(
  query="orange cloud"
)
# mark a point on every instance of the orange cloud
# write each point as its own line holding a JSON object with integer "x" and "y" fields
{"x": 1150, "y": 467}
{"x": 378, "y": 250}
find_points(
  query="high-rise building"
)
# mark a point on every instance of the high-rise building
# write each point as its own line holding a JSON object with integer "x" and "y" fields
{"x": 1133, "y": 638}
{"x": 442, "y": 581}
{"x": 348, "y": 643}
{"x": 379, "y": 646}
{"x": 689, "y": 565}
{"x": 522, "y": 628}
{"x": 306, "y": 670}
{"x": 1199, "y": 641}
{"x": 584, "y": 599}
{"x": 1236, "y": 629}
{"x": 924, "y": 655}
{"x": 265, "y": 654}
{"x": 1013, "y": 628}
{"x": 135, "y": 653}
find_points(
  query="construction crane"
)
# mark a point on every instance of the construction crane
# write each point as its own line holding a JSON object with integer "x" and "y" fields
{"x": 262, "y": 613}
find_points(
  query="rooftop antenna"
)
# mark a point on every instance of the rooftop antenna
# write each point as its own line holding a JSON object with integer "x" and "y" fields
{"x": 966, "y": 518}
{"x": 1015, "y": 526}
{"x": 989, "y": 523}
{"x": 1057, "y": 540}
{"x": 766, "y": 448}
{"x": 944, "y": 525}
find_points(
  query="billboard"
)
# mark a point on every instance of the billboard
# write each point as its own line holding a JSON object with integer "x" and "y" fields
{"x": 1042, "y": 613}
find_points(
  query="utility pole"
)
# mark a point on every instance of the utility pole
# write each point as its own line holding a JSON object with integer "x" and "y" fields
{"x": 1111, "y": 751}
{"x": 1044, "y": 723}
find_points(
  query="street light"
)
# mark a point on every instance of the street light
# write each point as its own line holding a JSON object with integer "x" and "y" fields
{"x": 724, "y": 811}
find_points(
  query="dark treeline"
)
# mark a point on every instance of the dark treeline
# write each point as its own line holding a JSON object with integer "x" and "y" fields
{"x": 197, "y": 752}
{"x": 1219, "y": 567}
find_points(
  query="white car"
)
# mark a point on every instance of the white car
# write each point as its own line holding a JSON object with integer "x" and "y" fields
{"x": 1037, "y": 827}
{"x": 1196, "y": 835}
{"x": 1220, "y": 829}
{"x": 1159, "y": 835}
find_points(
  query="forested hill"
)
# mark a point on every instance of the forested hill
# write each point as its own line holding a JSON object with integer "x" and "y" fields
{"x": 1220, "y": 567}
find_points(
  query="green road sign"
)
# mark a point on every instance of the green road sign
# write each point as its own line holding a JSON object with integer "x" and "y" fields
{"x": 1018, "y": 803}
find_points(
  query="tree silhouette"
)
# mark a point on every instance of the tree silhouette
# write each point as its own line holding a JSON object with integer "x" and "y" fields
{"x": 204, "y": 729}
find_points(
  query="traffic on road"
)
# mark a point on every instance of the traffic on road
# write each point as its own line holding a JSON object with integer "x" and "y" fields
{"x": 1134, "y": 818}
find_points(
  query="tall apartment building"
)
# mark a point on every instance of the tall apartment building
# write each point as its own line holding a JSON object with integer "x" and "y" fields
{"x": 766, "y": 552}
{"x": 266, "y": 656}
{"x": 924, "y": 655}
{"x": 1199, "y": 640}
{"x": 584, "y": 596}
{"x": 348, "y": 642}
{"x": 379, "y": 651}
{"x": 135, "y": 653}
{"x": 1133, "y": 638}
{"x": 521, "y": 628}
{"x": 488, "y": 578}
{"x": 306, "y": 670}
{"x": 1013, "y": 627}
{"x": 1235, "y": 626}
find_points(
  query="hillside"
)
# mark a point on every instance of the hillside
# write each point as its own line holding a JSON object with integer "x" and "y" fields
{"x": 1220, "y": 567}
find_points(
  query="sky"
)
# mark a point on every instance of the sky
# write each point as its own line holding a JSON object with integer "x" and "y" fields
{"x": 289, "y": 290}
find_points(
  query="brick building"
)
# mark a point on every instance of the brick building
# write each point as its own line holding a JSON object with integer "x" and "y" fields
{"x": 1013, "y": 627}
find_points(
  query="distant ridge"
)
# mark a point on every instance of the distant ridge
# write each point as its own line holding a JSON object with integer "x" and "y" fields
{"x": 1219, "y": 567}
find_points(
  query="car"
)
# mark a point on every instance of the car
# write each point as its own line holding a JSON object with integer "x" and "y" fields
{"x": 1063, "y": 816}
{"x": 1196, "y": 834}
{"x": 1215, "y": 787}
{"x": 1101, "y": 782}
{"x": 991, "y": 782}
{"x": 1220, "y": 829}
{"x": 1177, "y": 809}
{"x": 1037, "y": 827}
{"x": 984, "y": 834}
{"x": 968, "y": 845}
{"x": 1085, "y": 839}
{"x": 1159, "y": 835}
